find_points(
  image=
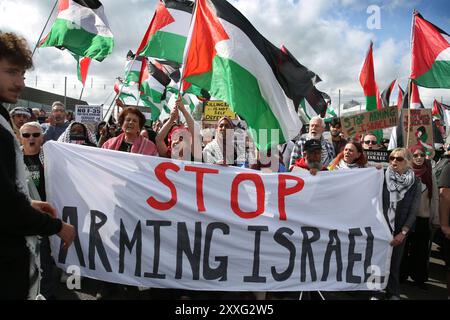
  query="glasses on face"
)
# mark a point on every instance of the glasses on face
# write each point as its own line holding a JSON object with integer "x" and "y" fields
{"x": 372, "y": 142}
{"x": 398, "y": 159}
{"x": 27, "y": 135}
{"x": 417, "y": 155}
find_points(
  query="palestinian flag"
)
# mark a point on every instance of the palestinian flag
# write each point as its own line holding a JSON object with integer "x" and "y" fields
{"x": 386, "y": 94}
{"x": 133, "y": 67}
{"x": 173, "y": 88}
{"x": 152, "y": 90}
{"x": 367, "y": 80}
{"x": 401, "y": 93}
{"x": 82, "y": 28}
{"x": 167, "y": 33}
{"x": 415, "y": 103}
{"x": 315, "y": 104}
{"x": 123, "y": 90}
{"x": 396, "y": 139}
{"x": 229, "y": 58}
{"x": 82, "y": 67}
{"x": 430, "y": 65}
{"x": 299, "y": 84}
{"x": 437, "y": 111}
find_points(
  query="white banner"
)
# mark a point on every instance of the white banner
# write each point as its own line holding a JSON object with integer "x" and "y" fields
{"x": 155, "y": 222}
{"x": 88, "y": 114}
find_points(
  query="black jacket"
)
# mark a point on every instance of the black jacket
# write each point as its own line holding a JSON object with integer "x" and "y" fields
{"x": 17, "y": 217}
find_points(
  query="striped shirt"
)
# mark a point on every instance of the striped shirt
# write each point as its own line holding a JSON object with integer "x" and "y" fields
{"x": 327, "y": 151}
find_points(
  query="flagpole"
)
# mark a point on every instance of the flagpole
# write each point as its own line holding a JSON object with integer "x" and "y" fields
{"x": 339, "y": 104}
{"x": 410, "y": 82}
{"x": 81, "y": 94}
{"x": 409, "y": 113}
{"x": 45, "y": 26}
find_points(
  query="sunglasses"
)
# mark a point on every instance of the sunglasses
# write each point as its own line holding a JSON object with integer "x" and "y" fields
{"x": 417, "y": 155}
{"x": 27, "y": 135}
{"x": 398, "y": 159}
{"x": 370, "y": 142}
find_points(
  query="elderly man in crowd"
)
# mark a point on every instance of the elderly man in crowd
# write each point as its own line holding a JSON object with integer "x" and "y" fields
{"x": 316, "y": 128}
{"x": 58, "y": 123}
{"x": 312, "y": 158}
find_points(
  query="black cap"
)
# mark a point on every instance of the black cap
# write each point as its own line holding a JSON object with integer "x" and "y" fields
{"x": 312, "y": 144}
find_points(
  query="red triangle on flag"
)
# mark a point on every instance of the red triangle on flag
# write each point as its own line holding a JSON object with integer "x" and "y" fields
{"x": 207, "y": 32}
{"x": 161, "y": 18}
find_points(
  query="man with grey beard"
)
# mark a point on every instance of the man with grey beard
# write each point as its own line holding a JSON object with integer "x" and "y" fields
{"x": 58, "y": 123}
{"x": 311, "y": 159}
{"x": 316, "y": 128}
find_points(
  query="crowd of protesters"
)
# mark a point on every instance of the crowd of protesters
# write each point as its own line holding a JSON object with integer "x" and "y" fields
{"x": 416, "y": 191}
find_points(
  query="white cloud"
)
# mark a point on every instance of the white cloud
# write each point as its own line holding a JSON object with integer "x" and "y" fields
{"x": 329, "y": 44}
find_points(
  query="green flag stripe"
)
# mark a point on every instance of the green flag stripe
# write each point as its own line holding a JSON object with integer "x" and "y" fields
{"x": 251, "y": 106}
{"x": 437, "y": 77}
{"x": 165, "y": 45}
{"x": 65, "y": 33}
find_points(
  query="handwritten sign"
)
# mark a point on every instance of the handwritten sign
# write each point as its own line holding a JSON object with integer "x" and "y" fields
{"x": 214, "y": 110}
{"x": 88, "y": 114}
{"x": 369, "y": 121}
{"x": 420, "y": 127}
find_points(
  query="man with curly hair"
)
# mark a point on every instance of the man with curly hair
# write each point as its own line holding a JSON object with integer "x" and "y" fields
{"x": 21, "y": 218}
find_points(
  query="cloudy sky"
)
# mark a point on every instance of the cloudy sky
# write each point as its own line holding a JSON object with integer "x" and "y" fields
{"x": 330, "y": 37}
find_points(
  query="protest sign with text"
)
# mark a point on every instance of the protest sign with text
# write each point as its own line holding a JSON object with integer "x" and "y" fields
{"x": 420, "y": 127}
{"x": 216, "y": 109}
{"x": 88, "y": 114}
{"x": 156, "y": 222}
{"x": 369, "y": 121}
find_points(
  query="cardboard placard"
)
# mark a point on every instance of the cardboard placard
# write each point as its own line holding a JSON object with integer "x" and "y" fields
{"x": 420, "y": 127}
{"x": 369, "y": 121}
{"x": 214, "y": 110}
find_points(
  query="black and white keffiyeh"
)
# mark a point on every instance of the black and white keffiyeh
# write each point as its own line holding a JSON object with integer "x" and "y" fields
{"x": 397, "y": 185}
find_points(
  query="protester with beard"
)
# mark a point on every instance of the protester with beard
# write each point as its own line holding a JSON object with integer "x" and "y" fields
{"x": 336, "y": 135}
{"x": 22, "y": 218}
{"x": 312, "y": 158}
{"x": 58, "y": 123}
{"x": 316, "y": 128}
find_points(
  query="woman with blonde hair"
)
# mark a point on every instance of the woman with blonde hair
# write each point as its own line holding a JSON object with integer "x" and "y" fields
{"x": 401, "y": 202}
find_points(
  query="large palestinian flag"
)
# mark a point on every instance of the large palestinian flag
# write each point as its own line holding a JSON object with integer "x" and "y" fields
{"x": 228, "y": 57}
{"x": 167, "y": 33}
{"x": 368, "y": 83}
{"x": 430, "y": 65}
{"x": 82, "y": 28}
{"x": 315, "y": 103}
